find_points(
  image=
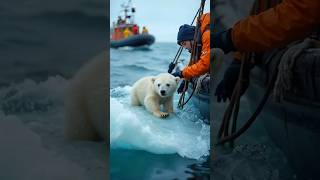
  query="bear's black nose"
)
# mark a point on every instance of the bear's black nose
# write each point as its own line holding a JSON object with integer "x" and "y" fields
{"x": 163, "y": 92}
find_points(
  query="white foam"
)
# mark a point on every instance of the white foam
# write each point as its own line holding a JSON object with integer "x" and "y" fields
{"x": 32, "y": 138}
{"x": 24, "y": 157}
{"x": 54, "y": 86}
{"x": 30, "y": 96}
{"x": 135, "y": 128}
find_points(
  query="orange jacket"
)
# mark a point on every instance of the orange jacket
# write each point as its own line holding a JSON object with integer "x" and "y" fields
{"x": 203, "y": 64}
{"x": 288, "y": 21}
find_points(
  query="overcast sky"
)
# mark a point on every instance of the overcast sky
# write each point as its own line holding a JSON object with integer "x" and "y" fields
{"x": 162, "y": 17}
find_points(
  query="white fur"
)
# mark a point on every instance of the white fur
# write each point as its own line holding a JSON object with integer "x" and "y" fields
{"x": 147, "y": 92}
{"x": 86, "y": 103}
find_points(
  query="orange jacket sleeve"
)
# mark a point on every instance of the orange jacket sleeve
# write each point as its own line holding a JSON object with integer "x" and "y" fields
{"x": 203, "y": 64}
{"x": 290, "y": 20}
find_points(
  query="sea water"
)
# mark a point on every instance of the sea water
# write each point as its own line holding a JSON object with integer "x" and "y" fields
{"x": 144, "y": 146}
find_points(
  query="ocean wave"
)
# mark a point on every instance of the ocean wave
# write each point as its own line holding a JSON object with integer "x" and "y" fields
{"x": 135, "y": 128}
{"x": 30, "y": 96}
{"x": 136, "y": 67}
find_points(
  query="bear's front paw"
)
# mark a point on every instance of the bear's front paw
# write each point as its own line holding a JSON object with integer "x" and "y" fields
{"x": 164, "y": 115}
{"x": 161, "y": 114}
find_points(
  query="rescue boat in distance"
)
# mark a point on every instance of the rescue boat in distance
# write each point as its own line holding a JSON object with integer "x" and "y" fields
{"x": 124, "y": 32}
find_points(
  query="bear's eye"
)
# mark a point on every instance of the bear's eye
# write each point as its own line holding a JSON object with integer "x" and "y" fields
{"x": 168, "y": 85}
{"x": 158, "y": 85}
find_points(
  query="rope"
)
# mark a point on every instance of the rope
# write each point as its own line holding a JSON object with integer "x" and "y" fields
{"x": 181, "y": 100}
{"x": 234, "y": 105}
{"x": 246, "y": 126}
{"x": 281, "y": 80}
{"x": 285, "y": 78}
{"x": 194, "y": 55}
{"x": 200, "y": 80}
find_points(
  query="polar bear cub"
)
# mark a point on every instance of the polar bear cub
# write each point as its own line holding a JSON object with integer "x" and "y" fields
{"x": 154, "y": 91}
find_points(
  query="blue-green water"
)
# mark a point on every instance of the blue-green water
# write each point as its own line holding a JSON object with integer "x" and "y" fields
{"x": 143, "y": 146}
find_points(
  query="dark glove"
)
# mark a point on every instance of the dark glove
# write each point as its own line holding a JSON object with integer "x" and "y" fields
{"x": 178, "y": 73}
{"x": 171, "y": 67}
{"x": 223, "y": 41}
{"x": 181, "y": 87}
{"x": 226, "y": 86}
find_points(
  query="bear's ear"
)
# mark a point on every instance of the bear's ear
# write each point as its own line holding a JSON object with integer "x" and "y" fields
{"x": 153, "y": 79}
{"x": 177, "y": 79}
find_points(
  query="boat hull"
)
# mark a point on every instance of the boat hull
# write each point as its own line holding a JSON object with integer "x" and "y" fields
{"x": 133, "y": 41}
{"x": 294, "y": 126}
{"x": 202, "y": 101}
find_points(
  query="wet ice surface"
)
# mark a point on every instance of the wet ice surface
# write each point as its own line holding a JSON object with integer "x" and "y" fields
{"x": 136, "y": 128}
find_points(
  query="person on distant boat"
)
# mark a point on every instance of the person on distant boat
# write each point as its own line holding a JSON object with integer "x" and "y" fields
{"x": 268, "y": 27}
{"x": 127, "y": 33}
{"x": 185, "y": 39}
{"x": 144, "y": 30}
{"x": 135, "y": 29}
{"x": 119, "y": 21}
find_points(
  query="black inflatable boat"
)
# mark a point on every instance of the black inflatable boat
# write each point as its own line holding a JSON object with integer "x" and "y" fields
{"x": 134, "y": 41}
{"x": 201, "y": 97}
{"x": 294, "y": 123}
